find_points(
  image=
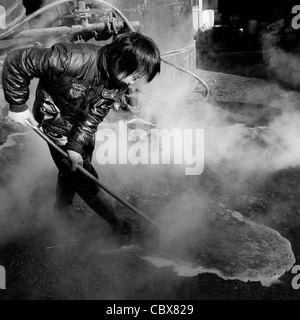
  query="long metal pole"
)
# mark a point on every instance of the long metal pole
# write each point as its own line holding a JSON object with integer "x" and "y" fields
{"x": 73, "y": 30}
{"x": 89, "y": 175}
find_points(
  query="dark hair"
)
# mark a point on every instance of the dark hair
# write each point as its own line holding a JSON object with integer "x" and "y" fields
{"x": 133, "y": 53}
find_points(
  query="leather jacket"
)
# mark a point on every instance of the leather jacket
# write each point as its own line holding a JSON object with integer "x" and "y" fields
{"x": 74, "y": 93}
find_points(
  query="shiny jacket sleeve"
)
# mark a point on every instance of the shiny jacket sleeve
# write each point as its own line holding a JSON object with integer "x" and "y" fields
{"x": 21, "y": 66}
{"x": 85, "y": 127}
{"x": 87, "y": 124}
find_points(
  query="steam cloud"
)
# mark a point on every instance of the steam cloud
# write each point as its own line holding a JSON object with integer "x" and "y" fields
{"x": 237, "y": 156}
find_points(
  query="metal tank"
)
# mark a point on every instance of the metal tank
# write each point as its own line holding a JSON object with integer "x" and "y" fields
{"x": 169, "y": 23}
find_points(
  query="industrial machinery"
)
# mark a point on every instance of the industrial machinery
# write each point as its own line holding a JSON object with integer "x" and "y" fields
{"x": 70, "y": 21}
{"x": 98, "y": 21}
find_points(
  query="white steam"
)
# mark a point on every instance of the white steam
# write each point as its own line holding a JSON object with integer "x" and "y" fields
{"x": 237, "y": 156}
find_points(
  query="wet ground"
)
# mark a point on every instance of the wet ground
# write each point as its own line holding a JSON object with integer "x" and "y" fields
{"x": 82, "y": 272}
{"x": 49, "y": 258}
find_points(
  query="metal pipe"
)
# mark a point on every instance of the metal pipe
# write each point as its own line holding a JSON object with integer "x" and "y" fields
{"x": 82, "y": 7}
{"x": 86, "y": 173}
{"x": 44, "y": 9}
{"x": 76, "y": 29}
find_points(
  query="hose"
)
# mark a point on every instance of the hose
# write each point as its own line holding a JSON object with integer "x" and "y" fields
{"x": 131, "y": 28}
{"x": 11, "y": 11}
{"x": 54, "y": 4}
{"x": 30, "y": 17}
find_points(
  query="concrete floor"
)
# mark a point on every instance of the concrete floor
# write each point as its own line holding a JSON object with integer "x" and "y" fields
{"x": 89, "y": 264}
{"x": 80, "y": 271}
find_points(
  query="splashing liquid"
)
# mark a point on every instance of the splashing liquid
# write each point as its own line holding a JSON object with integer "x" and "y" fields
{"x": 234, "y": 249}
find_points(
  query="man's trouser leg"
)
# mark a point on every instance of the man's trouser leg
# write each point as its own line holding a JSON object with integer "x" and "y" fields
{"x": 64, "y": 196}
{"x": 70, "y": 183}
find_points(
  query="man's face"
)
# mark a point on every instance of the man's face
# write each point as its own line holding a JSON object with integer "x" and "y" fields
{"x": 129, "y": 80}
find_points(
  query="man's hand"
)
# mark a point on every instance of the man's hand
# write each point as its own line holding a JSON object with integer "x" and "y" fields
{"x": 22, "y": 117}
{"x": 75, "y": 158}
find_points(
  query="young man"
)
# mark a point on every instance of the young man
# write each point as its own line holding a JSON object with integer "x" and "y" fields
{"x": 79, "y": 83}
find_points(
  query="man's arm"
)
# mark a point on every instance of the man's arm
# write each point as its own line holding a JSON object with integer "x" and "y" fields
{"x": 86, "y": 126}
{"x": 83, "y": 130}
{"x": 20, "y": 67}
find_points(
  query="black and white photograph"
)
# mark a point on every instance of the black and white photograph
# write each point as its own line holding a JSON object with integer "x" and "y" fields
{"x": 149, "y": 153}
